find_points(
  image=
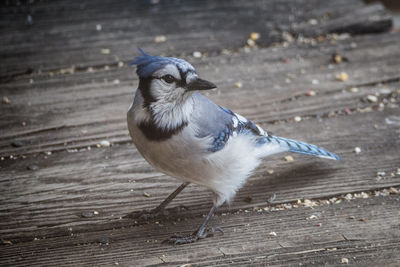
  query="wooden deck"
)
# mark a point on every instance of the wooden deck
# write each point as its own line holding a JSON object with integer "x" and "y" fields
{"x": 66, "y": 86}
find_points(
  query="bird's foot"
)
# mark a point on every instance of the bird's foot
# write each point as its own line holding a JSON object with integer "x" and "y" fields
{"x": 180, "y": 240}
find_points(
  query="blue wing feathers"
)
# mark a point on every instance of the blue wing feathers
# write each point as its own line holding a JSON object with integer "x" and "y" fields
{"x": 222, "y": 123}
{"x": 303, "y": 148}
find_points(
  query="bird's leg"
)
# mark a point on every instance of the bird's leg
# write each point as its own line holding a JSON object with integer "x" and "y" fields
{"x": 145, "y": 214}
{"x": 202, "y": 232}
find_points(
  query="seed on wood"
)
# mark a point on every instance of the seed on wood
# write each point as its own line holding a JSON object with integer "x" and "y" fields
{"x": 343, "y": 76}
{"x": 254, "y": 36}
{"x": 160, "y": 39}
{"x": 311, "y": 93}
{"x": 372, "y": 99}
{"x": 345, "y": 260}
{"x": 105, "y": 51}
{"x": 197, "y": 54}
{"x": 238, "y": 84}
{"x": 6, "y": 100}
{"x": 289, "y": 158}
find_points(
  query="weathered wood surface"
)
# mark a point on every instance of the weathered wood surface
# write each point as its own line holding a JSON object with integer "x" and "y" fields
{"x": 58, "y": 105}
{"x": 66, "y": 36}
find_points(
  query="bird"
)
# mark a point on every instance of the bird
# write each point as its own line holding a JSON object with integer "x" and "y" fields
{"x": 185, "y": 135}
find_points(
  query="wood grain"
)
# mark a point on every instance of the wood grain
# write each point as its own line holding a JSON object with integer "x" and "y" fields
{"x": 66, "y": 96}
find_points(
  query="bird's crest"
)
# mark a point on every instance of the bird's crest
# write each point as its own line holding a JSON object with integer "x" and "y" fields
{"x": 147, "y": 64}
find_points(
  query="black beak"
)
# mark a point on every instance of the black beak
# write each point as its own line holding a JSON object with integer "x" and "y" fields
{"x": 200, "y": 84}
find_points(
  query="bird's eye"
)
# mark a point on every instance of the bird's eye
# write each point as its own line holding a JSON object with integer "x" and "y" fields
{"x": 168, "y": 78}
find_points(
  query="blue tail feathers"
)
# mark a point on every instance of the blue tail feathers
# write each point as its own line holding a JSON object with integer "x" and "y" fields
{"x": 303, "y": 148}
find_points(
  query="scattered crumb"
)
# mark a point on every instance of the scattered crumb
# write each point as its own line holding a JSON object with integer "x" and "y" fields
{"x": 313, "y": 21}
{"x": 309, "y": 203}
{"x": 95, "y": 212}
{"x": 254, "y": 36}
{"x": 380, "y": 174}
{"x": 197, "y": 54}
{"x": 116, "y": 81}
{"x": 354, "y": 89}
{"x": 186, "y": 265}
{"x": 311, "y": 93}
{"x": 289, "y": 158}
{"x": 348, "y": 196}
{"x": 104, "y": 143}
{"x": 319, "y": 224}
{"x": 343, "y": 76}
{"x": 270, "y": 171}
{"x": 99, "y": 27}
{"x": 357, "y": 150}
{"x": 315, "y": 82}
{"x": 160, "y": 39}
{"x": 146, "y": 194}
{"x": 5, "y": 100}
{"x": 337, "y": 58}
{"x": 345, "y": 260}
{"x": 105, "y": 51}
{"x": 297, "y": 119}
{"x": 238, "y": 84}
{"x": 272, "y": 234}
{"x": 312, "y": 217}
{"x": 120, "y": 64}
{"x": 372, "y": 99}
{"x": 251, "y": 42}
{"x": 6, "y": 242}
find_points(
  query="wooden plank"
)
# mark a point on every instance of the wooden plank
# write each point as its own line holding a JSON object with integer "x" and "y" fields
{"x": 96, "y": 110}
{"x": 112, "y": 180}
{"x": 71, "y": 96}
{"x": 364, "y": 231}
{"x": 66, "y": 32}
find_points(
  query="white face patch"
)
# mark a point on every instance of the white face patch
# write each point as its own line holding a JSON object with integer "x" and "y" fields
{"x": 173, "y": 103}
{"x": 160, "y": 89}
{"x": 168, "y": 69}
{"x": 190, "y": 77}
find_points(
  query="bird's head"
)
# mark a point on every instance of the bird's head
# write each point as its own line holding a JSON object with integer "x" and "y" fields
{"x": 166, "y": 78}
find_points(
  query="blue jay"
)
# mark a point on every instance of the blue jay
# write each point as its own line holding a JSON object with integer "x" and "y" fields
{"x": 185, "y": 135}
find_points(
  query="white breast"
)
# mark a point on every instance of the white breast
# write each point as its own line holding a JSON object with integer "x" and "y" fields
{"x": 186, "y": 157}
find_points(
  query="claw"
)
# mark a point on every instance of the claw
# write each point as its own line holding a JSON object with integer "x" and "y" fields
{"x": 180, "y": 240}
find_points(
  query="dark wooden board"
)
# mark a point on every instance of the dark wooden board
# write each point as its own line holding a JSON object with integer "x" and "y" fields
{"x": 99, "y": 108}
{"x": 309, "y": 236}
{"x": 65, "y": 35}
{"x": 113, "y": 180}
